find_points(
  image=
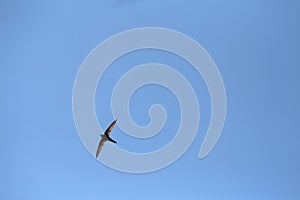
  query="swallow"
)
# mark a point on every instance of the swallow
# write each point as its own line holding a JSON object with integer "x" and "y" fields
{"x": 105, "y": 137}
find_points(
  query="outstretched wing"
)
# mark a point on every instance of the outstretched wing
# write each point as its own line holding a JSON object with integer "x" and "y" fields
{"x": 111, "y": 126}
{"x": 100, "y": 146}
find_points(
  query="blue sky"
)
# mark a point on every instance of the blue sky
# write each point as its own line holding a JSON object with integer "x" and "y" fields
{"x": 255, "y": 45}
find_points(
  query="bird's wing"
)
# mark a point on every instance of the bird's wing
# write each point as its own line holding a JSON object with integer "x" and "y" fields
{"x": 111, "y": 126}
{"x": 100, "y": 146}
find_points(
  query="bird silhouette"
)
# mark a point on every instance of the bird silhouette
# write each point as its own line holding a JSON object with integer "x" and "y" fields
{"x": 105, "y": 137}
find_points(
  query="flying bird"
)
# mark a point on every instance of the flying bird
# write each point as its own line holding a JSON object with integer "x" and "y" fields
{"x": 105, "y": 137}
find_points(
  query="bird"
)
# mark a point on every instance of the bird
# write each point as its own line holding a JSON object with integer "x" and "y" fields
{"x": 105, "y": 137}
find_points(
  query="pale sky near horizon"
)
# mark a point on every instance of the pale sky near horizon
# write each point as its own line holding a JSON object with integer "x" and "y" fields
{"x": 255, "y": 45}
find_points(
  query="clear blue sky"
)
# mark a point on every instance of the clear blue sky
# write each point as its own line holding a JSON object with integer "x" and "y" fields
{"x": 255, "y": 45}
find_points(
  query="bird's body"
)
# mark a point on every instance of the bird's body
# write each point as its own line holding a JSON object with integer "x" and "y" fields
{"x": 105, "y": 137}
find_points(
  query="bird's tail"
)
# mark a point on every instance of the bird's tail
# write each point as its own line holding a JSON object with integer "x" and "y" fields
{"x": 111, "y": 140}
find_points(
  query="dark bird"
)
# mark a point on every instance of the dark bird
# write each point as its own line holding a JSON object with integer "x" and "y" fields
{"x": 105, "y": 137}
